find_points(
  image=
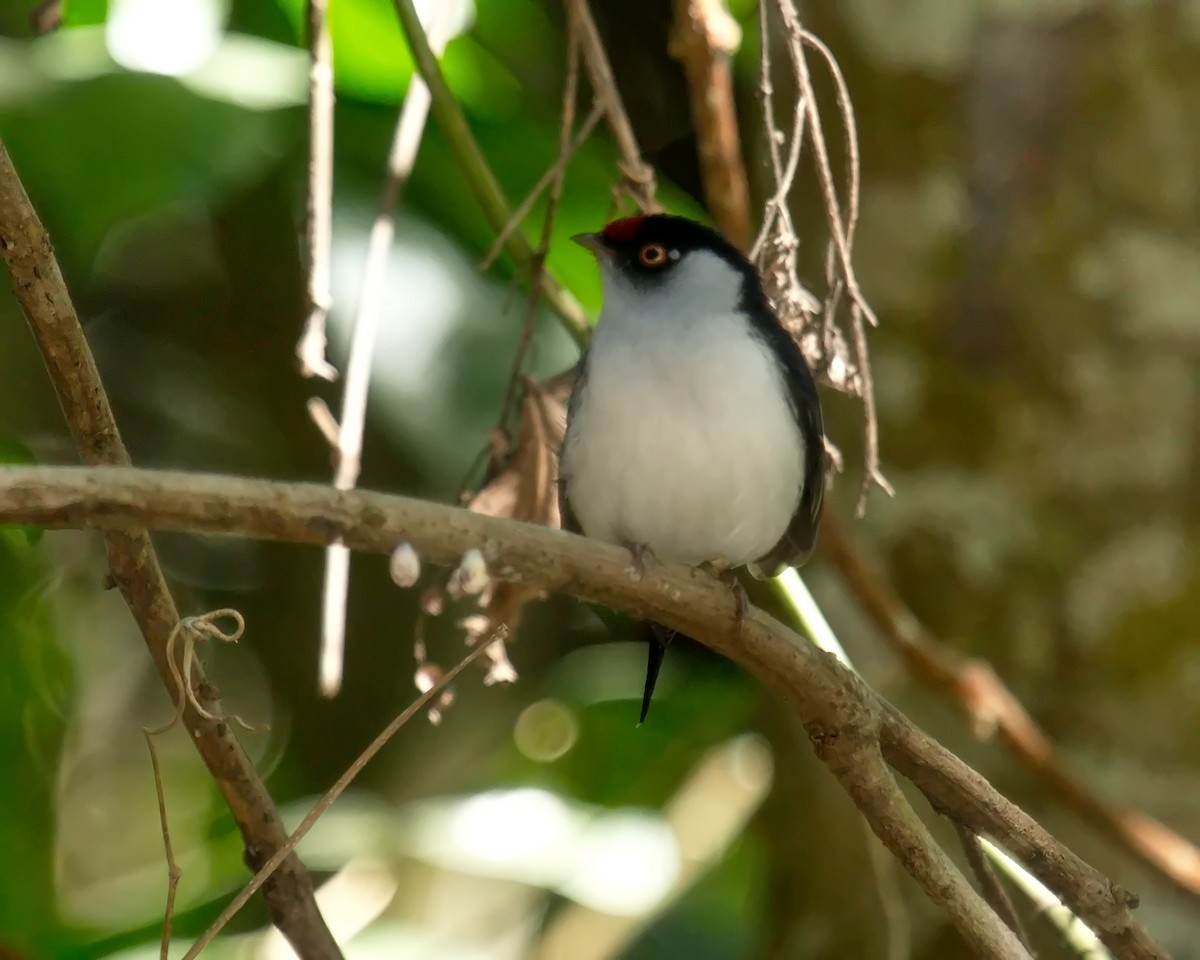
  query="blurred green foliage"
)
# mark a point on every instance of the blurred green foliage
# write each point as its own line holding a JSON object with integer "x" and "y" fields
{"x": 35, "y": 694}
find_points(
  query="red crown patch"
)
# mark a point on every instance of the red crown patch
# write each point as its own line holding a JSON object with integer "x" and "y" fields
{"x": 623, "y": 230}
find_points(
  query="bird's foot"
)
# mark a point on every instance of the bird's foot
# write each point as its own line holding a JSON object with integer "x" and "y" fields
{"x": 722, "y": 571}
{"x": 638, "y": 552}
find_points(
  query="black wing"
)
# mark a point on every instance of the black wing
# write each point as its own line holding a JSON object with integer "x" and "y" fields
{"x": 800, "y": 538}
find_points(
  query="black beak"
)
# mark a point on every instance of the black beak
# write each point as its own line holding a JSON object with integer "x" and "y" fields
{"x": 593, "y": 242}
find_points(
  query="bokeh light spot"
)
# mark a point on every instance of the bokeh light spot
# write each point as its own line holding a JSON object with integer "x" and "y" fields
{"x": 546, "y": 730}
{"x": 170, "y": 37}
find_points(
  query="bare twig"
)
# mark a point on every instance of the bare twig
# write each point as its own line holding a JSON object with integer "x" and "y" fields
{"x": 480, "y": 178}
{"x": 173, "y": 871}
{"x": 841, "y": 714}
{"x": 550, "y": 176}
{"x": 835, "y": 281}
{"x": 990, "y": 887}
{"x": 638, "y": 175}
{"x": 839, "y": 229}
{"x": 318, "y": 226}
{"x": 776, "y": 205}
{"x": 993, "y": 710}
{"x": 318, "y": 809}
{"x": 406, "y": 141}
{"x": 841, "y": 233}
{"x": 703, "y": 38}
{"x": 872, "y": 475}
{"x": 774, "y": 249}
{"x": 133, "y": 563}
{"x": 570, "y": 93}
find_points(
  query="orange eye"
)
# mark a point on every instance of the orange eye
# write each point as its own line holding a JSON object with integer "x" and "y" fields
{"x": 653, "y": 255}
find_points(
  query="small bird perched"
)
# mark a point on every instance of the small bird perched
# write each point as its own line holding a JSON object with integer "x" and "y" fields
{"x": 694, "y": 431}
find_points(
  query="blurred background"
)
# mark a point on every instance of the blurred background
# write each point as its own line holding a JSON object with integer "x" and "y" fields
{"x": 1030, "y": 237}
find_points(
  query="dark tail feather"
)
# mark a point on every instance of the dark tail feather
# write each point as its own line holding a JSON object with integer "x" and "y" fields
{"x": 657, "y": 639}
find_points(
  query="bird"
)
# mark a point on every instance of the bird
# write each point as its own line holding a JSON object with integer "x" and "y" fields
{"x": 694, "y": 432}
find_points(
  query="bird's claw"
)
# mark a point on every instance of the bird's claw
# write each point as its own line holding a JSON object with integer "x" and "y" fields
{"x": 720, "y": 570}
{"x": 638, "y": 552}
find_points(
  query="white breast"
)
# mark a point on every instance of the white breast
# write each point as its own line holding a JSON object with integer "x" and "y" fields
{"x": 683, "y": 438}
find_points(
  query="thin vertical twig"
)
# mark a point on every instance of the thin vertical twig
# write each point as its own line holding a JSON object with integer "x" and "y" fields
{"x": 318, "y": 226}
{"x": 481, "y": 181}
{"x": 841, "y": 231}
{"x": 784, "y": 177}
{"x": 837, "y": 226}
{"x": 570, "y": 95}
{"x": 552, "y": 172}
{"x": 406, "y": 142}
{"x": 173, "y": 871}
{"x": 638, "y": 175}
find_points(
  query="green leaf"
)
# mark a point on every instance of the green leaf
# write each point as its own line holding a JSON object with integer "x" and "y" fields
{"x": 13, "y": 451}
{"x": 371, "y": 60}
{"x": 84, "y": 13}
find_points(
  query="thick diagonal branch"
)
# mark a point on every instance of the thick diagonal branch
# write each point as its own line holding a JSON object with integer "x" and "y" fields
{"x": 38, "y": 284}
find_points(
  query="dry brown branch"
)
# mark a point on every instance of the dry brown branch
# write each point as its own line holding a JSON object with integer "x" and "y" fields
{"x": 318, "y": 809}
{"x": 318, "y": 224}
{"x": 347, "y": 449}
{"x": 637, "y": 175}
{"x": 973, "y": 686}
{"x": 133, "y": 563}
{"x": 839, "y": 229}
{"x": 704, "y": 36}
{"x": 847, "y": 723}
{"x": 776, "y": 204}
{"x": 774, "y": 248}
{"x": 45, "y": 17}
